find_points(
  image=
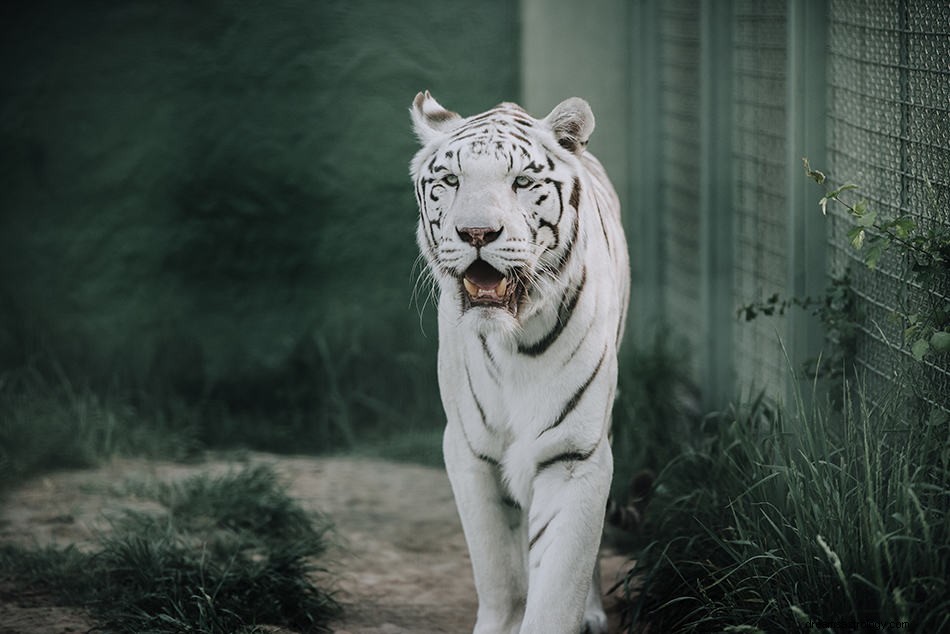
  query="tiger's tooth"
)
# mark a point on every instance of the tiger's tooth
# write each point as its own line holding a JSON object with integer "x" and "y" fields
{"x": 471, "y": 288}
{"x": 502, "y": 287}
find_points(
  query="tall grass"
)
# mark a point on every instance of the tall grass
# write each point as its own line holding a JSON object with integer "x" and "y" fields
{"x": 228, "y": 554}
{"x": 49, "y": 421}
{"x": 814, "y": 522}
{"x": 330, "y": 395}
{"x": 656, "y": 412}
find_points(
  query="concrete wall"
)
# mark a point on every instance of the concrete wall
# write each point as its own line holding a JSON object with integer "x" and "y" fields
{"x": 581, "y": 49}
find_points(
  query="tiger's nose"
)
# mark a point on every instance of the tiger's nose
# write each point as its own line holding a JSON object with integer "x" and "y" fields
{"x": 478, "y": 236}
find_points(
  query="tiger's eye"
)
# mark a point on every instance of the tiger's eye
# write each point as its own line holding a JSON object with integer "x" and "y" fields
{"x": 451, "y": 179}
{"x": 523, "y": 181}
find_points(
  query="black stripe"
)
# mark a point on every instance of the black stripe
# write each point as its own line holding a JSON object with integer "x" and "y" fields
{"x": 534, "y": 167}
{"x": 493, "y": 365}
{"x": 509, "y": 502}
{"x": 483, "y": 120}
{"x": 468, "y": 136}
{"x": 576, "y": 194}
{"x": 487, "y": 459}
{"x": 538, "y": 535}
{"x": 603, "y": 228}
{"x": 468, "y": 442}
{"x": 560, "y": 198}
{"x": 564, "y": 313}
{"x": 554, "y": 230}
{"x": 567, "y": 144}
{"x": 576, "y": 398}
{"x": 567, "y": 456}
{"x": 568, "y": 247}
{"x": 481, "y": 410}
{"x": 579, "y": 343}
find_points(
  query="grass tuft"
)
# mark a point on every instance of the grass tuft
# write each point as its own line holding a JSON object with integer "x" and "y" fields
{"x": 229, "y": 554}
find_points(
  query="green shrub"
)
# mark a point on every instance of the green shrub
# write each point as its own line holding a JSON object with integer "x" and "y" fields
{"x": 229, "y": 554}
{"x": 777, "y": 523}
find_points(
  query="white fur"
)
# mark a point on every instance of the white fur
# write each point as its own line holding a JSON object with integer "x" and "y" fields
{"x": 500, "y": 405}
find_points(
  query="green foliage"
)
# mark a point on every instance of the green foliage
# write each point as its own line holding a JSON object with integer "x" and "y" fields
{"x": 925, "y": 249}
{"x": 923, "y": 262}
{"x": 322, "y": 400}
{"x": 47, "y": 421}
{"x": 229, "y": 554}
{"x": 223, "y": 213}
{"x": 655, "y": 414}
{"x": 767, "y": 527}
{"x": 840, "y": 317}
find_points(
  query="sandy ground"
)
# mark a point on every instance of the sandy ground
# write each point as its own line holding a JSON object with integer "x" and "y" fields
{"x": 400, "y": 566}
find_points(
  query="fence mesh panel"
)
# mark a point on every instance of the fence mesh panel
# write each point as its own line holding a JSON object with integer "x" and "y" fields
{"x": 760, "y": 249}
{"x": 889, "y": 132}
{"x": 679, "y": 170}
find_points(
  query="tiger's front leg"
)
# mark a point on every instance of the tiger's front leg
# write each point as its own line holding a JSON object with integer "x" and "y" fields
{"x": 494, "y": 531}
{"x": 569, "y": 495}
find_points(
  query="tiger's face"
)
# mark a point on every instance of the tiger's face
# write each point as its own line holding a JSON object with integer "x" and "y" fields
{"x": 498, "y": 195}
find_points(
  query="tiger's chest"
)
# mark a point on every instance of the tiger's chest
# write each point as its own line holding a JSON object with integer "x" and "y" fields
{"x": 510, "y": 389}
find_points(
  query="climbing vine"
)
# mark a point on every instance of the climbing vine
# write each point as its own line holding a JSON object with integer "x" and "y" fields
{"x": 925, "y": 250}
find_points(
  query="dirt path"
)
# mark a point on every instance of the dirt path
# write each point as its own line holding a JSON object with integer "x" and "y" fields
{"x": 401, "y": 566}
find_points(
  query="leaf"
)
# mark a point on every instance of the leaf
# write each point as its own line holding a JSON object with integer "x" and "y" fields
{"x": 816, "y": 175}
{"x": 867, "y": 220}
{"x": 903, "y": 226}
{"x": 856, "y": 236}
{"x": 940, "y": 341}
{"x": 837, "y": 192}
{"x": 874, "y": 253}
{"x": 860, "y": 208}
{"x": 919, "y": 349}
{"x": 823, "y": 203}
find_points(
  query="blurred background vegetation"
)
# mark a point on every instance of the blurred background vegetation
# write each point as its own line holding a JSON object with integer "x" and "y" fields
{"x": 207, "y": 205}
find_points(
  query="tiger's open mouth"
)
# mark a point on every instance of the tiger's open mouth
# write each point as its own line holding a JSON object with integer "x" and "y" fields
{"x": 483, "y": 285}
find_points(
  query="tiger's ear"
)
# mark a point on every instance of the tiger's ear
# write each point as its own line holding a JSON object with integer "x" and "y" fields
{"x": 429, "y": 119}
{"x": 572, "y": 123}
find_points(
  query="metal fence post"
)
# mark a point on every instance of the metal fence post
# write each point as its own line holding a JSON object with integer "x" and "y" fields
{"x": 716, "y": 193}
{"x": 646, "y": 229}
{"x": 807, "y": 43}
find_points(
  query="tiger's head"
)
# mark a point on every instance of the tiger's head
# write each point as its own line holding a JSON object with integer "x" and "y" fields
{"x": 498, "y": 197}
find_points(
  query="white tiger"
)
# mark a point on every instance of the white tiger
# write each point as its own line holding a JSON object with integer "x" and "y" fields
{"x": 520, "y": 227}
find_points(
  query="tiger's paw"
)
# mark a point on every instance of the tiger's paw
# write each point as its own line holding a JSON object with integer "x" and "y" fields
{"x": 595, "y": 622}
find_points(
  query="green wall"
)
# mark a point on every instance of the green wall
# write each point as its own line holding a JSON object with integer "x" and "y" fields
{"x": 214, "y": 195}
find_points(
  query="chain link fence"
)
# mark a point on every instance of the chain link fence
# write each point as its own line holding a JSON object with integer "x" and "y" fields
{"x": 760, "y": 255}
{"x": 889, "y": 133}
{"x": 886, "y": 128}
{"x": 679, "y": 163}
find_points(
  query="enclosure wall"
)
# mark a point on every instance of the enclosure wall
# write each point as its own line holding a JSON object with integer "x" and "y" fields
{"x": 860, "y": 88}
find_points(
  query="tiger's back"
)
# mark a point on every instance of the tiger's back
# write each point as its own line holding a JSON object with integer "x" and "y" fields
{"x": 521, "y": 229}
